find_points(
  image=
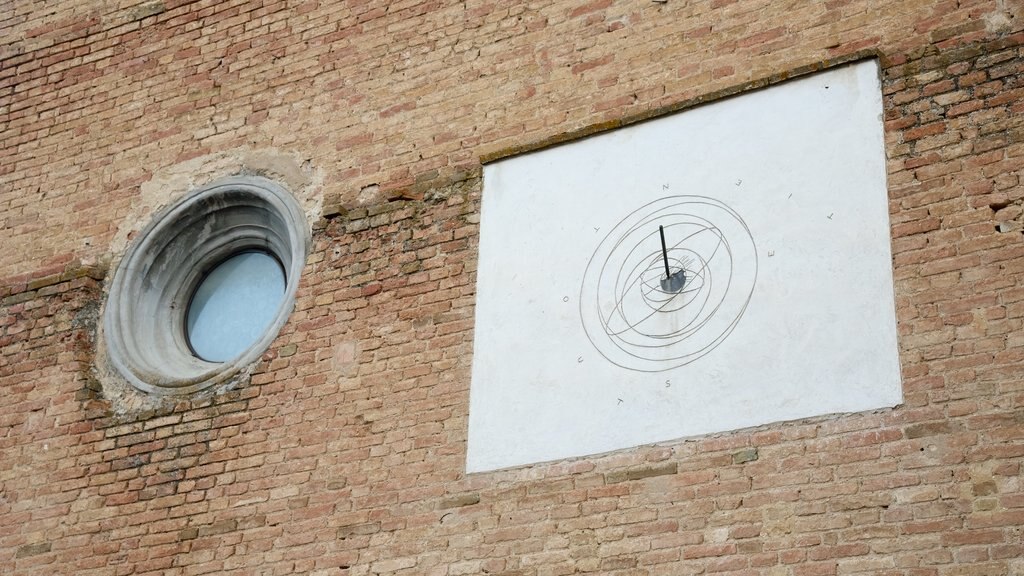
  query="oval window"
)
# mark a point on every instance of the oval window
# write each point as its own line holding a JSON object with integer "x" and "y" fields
{"x": 206, "y": 287}
{"x": 233, "y": 306}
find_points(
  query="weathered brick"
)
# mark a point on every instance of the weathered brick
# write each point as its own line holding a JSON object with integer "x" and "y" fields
{"x": 344, "y": 449}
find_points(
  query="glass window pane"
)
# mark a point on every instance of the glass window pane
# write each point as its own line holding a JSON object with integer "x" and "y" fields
{"x": 234, "y": 305}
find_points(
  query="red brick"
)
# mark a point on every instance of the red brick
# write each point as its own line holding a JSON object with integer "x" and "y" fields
{"x": 925, "y": 130}
{"x": 334, "y": 453}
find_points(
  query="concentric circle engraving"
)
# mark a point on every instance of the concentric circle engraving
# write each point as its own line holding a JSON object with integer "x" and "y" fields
{"x": 639, "y": 320}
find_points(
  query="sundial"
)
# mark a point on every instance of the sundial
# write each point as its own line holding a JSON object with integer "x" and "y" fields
{"x": 719, "y": 268}
{"x": 668, "y": 283}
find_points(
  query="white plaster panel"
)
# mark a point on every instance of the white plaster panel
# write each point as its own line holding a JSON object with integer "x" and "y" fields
{"x": 775, "y": 201}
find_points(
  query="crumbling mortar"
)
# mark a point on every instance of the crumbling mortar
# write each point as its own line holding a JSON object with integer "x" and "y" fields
{"x": 338, "y": 222}
{"x": 1008, "y": 215}
{"x": 429, "y": 188}
{"x": 938, "y": 62}
{"x": 970, "y": 59}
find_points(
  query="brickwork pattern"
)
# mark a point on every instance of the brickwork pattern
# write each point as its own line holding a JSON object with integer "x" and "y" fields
{"x": 345, "y": 452}
{"x": 95, "y": 96}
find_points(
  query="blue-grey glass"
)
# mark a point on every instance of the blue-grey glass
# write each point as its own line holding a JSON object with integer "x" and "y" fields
{"x": 234, "y": 305}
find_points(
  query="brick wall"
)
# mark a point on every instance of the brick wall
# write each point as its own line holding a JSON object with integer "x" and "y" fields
{"x": 344, "y": 453}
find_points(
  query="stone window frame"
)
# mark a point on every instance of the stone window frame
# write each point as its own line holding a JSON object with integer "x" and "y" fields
{"x": 145, "y": 313}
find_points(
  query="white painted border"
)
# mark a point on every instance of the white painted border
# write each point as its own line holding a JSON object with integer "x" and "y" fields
{"x": 802, "y": 163}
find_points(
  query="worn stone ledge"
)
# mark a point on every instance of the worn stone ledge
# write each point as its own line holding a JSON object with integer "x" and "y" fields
{"x": 32, "y": 550}
{"x": 665, "y": 469}
{"x": 745, "y": 455}
{"x": 144, "y": 10}
{"x": 402, "y": 194}
{"x": 459, "y": 500}
{"x": 14, "y": 292}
